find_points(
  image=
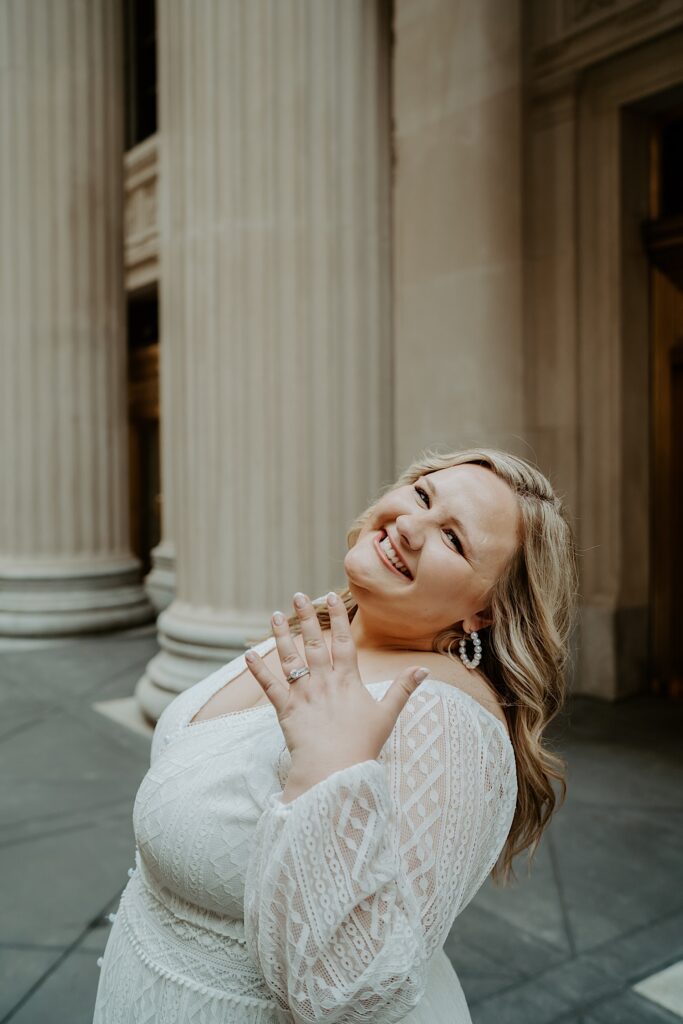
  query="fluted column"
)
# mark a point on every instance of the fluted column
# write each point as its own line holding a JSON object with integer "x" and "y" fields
{"x": 65, "y": 563}
{"x": 274, "y": 308}
{"x": 160, "y": 580}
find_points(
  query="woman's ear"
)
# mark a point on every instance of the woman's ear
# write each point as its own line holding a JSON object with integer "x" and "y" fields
{"x": 480, "y": 620}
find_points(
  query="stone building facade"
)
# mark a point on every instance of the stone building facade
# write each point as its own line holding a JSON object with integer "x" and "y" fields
{"x": 358, "y": 229}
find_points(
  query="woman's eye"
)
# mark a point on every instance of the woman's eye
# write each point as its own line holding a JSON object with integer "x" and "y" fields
{"x": 456, "y": 540}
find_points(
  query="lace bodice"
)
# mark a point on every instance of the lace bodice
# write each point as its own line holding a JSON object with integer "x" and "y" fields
{"x": 329, "y": 907}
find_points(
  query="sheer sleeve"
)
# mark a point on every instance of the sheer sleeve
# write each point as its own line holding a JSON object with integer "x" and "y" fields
{"x": 355, "y": 884}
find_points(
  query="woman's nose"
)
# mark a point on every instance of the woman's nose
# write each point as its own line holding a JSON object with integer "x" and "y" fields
{"x": 409, "y": 530}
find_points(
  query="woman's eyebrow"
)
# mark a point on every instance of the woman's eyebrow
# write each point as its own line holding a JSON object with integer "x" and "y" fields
{"x": 467, "y": 545}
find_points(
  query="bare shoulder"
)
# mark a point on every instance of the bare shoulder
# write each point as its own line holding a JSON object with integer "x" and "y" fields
{"x": 471, "y": 682}
{"x": 387, "y": 665}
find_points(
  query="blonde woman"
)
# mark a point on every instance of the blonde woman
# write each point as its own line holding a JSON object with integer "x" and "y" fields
{"x": 319, "y": 811}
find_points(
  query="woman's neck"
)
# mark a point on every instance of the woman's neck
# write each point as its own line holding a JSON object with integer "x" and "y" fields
{"x": 370, "y": 637}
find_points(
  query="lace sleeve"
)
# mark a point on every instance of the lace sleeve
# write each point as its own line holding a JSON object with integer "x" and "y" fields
{"x": 353, "y": 885}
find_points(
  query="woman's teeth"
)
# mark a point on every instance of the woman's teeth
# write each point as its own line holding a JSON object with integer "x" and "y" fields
{"x": 388, "y": 550}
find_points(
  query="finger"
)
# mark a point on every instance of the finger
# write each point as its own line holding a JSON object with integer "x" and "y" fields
{"x": 402, "y": 689}
{"x": 344, "y": 655}
{"x": 284, "y": 641}
{"x": 317, "y": 654}
{"x": 275, "y": 691}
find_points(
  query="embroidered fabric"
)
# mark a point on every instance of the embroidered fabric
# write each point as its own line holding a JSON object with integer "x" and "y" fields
{"x": 333, "y": 907}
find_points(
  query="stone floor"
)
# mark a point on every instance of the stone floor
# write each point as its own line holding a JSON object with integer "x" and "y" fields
{"x": 601, "y": 911}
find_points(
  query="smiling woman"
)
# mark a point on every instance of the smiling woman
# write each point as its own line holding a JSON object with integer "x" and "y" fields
{"x": 454, "y": 529}
{"x": 318, "y": 878}
{"x": 487, "y": 547}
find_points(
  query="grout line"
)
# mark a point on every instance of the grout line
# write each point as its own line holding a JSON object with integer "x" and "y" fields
{"x": 84, "y": 826}
{"x": 93, "y": 811}
{"x": 523, "y": 975}
{"x": 74, "y": 702}
{"x": 32, "y": 947}
{"x": 676, "y": 959}
{"x": 623, "y": 983}
{"x": 672, "y": 808}
{"x": 25, "y": 726}
{"x": 559, "y": 885}
{"x": 495, "y": 918}
{"x": 78, "y": 700}
{"x": 136, "y": 665}
{"x": 622, "y": 988}
{"x": 92, "y": 924}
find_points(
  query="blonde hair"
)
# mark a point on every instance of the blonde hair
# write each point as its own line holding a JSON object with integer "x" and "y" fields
{"x": 525, "y": 649}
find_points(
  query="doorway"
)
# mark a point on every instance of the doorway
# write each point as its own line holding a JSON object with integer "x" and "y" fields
{"x": 143, "y": 425}
{"x": 664, "y": 240}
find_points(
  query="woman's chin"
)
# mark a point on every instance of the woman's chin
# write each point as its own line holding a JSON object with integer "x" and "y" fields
{"x": 367, "y": 583}
{"x": 358, "y": 573}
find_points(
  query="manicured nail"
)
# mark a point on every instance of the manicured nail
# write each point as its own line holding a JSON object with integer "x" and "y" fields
{"x": 250, "y": 656}
{"x": 421, "y": 674}
{"x": 332, "y": 598}
{"x": 278, "y": 618}
{"x": 299, "y": 599}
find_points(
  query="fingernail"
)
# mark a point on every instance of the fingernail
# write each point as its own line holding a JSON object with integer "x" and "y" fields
{"x": 299, "y": 599}
{"x": 332, "y": 598}
{"x": 278, "y": 618}
{"x": 421, "y": 674}
{"x": 250, "y": 656}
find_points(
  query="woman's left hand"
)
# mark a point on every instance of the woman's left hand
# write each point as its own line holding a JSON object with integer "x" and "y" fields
{"x": 329, "y": 719}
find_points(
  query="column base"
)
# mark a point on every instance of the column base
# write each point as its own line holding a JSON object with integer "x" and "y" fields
{"x": 194, "y": 643}
{"x": 612, "y": 646}
{"x": 69, "y": 598}
{"x": 160, "y": 581}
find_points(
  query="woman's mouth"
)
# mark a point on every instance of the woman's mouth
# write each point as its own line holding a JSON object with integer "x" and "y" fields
{"x": 390, "y": 557}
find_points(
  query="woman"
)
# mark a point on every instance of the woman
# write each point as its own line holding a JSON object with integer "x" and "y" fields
{"x": 307, "y": 834}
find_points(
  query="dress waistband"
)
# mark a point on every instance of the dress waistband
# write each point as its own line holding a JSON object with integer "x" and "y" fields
{"x": 180, "y": 910}
{"x": 207, "y": 960}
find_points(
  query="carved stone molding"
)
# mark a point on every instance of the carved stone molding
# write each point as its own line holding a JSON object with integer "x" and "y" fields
{"x": 564, "y": 37}
{"x": 583, "y": 11}
{"x": 141, "y": 223}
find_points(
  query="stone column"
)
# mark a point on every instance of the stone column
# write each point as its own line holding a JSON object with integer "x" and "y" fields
{"x": 275, "y": 311}
{"x": 160, "y": 581}
{"x": 458, "y": 225}
{"x": 65, "y": 562}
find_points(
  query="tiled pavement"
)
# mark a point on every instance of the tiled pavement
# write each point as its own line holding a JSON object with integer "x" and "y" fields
{"x": 601, "y": 910}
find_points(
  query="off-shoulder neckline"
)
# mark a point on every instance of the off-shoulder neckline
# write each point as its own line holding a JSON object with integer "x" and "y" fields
{"x": 240, "y": 662}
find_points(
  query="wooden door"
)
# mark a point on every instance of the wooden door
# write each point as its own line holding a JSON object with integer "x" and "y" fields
{"x": 667, "y": 460}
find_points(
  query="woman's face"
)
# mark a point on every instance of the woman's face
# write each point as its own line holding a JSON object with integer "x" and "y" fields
{"x": 454, "y": 530}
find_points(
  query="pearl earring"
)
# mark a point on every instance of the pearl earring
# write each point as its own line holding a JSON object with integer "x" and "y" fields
{"x": 474, "y": 637}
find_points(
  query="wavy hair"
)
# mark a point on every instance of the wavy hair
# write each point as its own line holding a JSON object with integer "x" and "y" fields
{"x": 526, "y": 647}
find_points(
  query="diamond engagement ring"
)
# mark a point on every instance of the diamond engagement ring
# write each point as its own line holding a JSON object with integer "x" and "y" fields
{"x": 297, "y": 673}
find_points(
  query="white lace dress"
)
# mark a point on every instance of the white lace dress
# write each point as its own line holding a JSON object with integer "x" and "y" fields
{"x": 333, "y": 907}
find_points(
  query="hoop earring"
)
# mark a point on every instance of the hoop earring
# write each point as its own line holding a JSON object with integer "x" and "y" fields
{"x": 474, "y": 637}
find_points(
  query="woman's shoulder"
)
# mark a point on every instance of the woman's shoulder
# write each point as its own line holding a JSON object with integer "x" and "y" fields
{"x": 472, "y": 682}
{"x": 387, "y": 665}
{"x": 469, "y": 681}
